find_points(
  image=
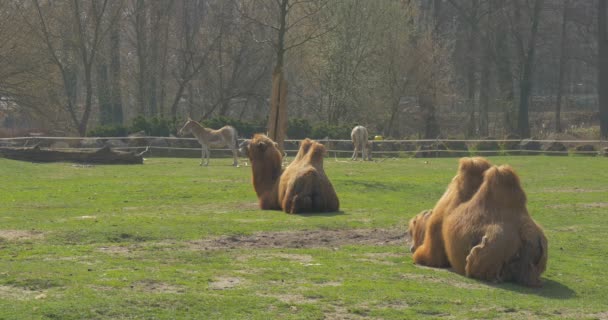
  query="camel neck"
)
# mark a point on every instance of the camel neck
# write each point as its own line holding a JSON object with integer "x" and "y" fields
{"x": 266, "y": 176}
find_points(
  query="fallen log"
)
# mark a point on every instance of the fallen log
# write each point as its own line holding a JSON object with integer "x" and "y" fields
{"x": 103, "y": 155}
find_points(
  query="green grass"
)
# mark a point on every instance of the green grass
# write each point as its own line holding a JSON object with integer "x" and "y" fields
{"x": 120, "y": 242}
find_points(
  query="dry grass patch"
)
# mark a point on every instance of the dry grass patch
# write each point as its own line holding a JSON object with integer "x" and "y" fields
{"x": 305, "y": 239}
{"x": 115, "y": 250}
{"x": 573, "y": 190}
{"x": 290, "y": 298}
{"x": 593, "y": 205}
{"x": 222, "y": 283}
{"x": 20, "y": 235}
{"x": 16, "y": 293}
{"x": 153, "y": 286}
{"x": 451, "y": 282}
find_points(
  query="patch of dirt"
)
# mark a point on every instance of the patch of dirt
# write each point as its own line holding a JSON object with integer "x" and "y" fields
{"x": 15, "y": 293}
{"x": 156, "y": 287}
{"x": 329, "y": 284}
{"x": 569, "y": 229}
{"x": 594, "y": 205}
{"x": 250, "y": 220}
{"x": 342, "y": 313}
{"x": 19, "y": 235}
{"x": 196, "y": 209}
{"x": 114, "y": 250}
{"x": 223, "y": 283}
{"x": 306, "y": 239}
{"x": 291, "y": 298}
{"x": 573, "y": 190}
{"x": 580, "y": 205}
{"x": 380, "y": 257}
{"x": 382, "y": 262}
{"x": 394, "y": 304}
{"x": 302, "y": 258}
{"x": 558, "y": 206}
{"x": 451, "y": 282}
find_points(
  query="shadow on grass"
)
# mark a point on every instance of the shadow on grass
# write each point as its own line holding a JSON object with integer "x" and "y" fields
{"x": 550, "y": 289}
{"x": 321, "y": 214}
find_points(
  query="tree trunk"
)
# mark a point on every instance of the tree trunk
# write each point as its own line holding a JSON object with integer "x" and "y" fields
{"x": 525, "y": 86}
{"x": 505, "y": 80}
{"x": 141, "y": 51}
{"x": 153, "y": 62}
{"x": 562, "y": 67}
{"x": 103, "y": 92}
{"x": 602, "y": 38}
{"x": 471, "y": 81}
{"x": 115, "y": 85}
{"x": 431, "y": 126}
{"x": 394, "y": 111}
{"x": 277, "y": 120}
{"x": 484, "y": 92}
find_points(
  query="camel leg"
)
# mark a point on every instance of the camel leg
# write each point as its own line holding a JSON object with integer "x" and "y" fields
{"x": 486, "y": 259}
{"x": 297, "y": 197}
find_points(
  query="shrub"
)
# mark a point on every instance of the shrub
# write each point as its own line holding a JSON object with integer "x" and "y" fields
{"x": 332, "y": 132}
{"x": 485, "y": 147}
{"x": 157, "y": 127}
{"x": 298, "y": 129}
{"x": 108, "y": 131}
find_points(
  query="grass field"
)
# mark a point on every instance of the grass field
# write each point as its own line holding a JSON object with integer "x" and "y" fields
{"x": 172, "y": 240}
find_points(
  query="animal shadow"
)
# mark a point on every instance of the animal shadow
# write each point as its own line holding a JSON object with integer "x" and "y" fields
{"x": 551, "y": 289}
{"x": 321, "y": 214}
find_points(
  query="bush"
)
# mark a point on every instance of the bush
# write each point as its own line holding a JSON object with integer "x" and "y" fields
{"x": 487, "y": 148}
{"x": 108, "y": 131}
{"x": 298, "y": 129}
{"x": 332, "y": 132}
{"x": 156, "y": 127}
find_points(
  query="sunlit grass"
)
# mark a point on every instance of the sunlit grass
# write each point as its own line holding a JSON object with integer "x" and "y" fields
{"x": 118, "y": 242}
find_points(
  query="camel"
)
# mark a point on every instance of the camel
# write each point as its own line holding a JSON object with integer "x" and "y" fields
{"x": 302, "y": 187}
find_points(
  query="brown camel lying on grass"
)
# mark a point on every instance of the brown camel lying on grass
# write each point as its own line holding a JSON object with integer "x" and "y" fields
{"x": 481, "y": 228}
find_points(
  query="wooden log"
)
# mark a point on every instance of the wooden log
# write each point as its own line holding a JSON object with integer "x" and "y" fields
{"x": 103, "y": 155}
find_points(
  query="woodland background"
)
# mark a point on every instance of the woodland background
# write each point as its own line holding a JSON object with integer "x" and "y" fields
{"x": 403, "y": 68}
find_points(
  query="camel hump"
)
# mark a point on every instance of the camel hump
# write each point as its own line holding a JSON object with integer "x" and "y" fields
{"x": 316, "y": 152}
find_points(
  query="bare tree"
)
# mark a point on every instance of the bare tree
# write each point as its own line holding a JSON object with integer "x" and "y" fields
{"x": 108, "y": 71}
{"x": 194, "y": 48}
{"x": 602, "y": 39}
{"x": 562, "y": 65}
{"x": 526, "y": 57}
{"x": 89, "y": 33}
{"x": 294, "y": 23}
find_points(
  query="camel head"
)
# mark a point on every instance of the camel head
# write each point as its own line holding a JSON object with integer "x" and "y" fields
{"x": 260, "y": 147}
{"x": 416, "y": 229}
